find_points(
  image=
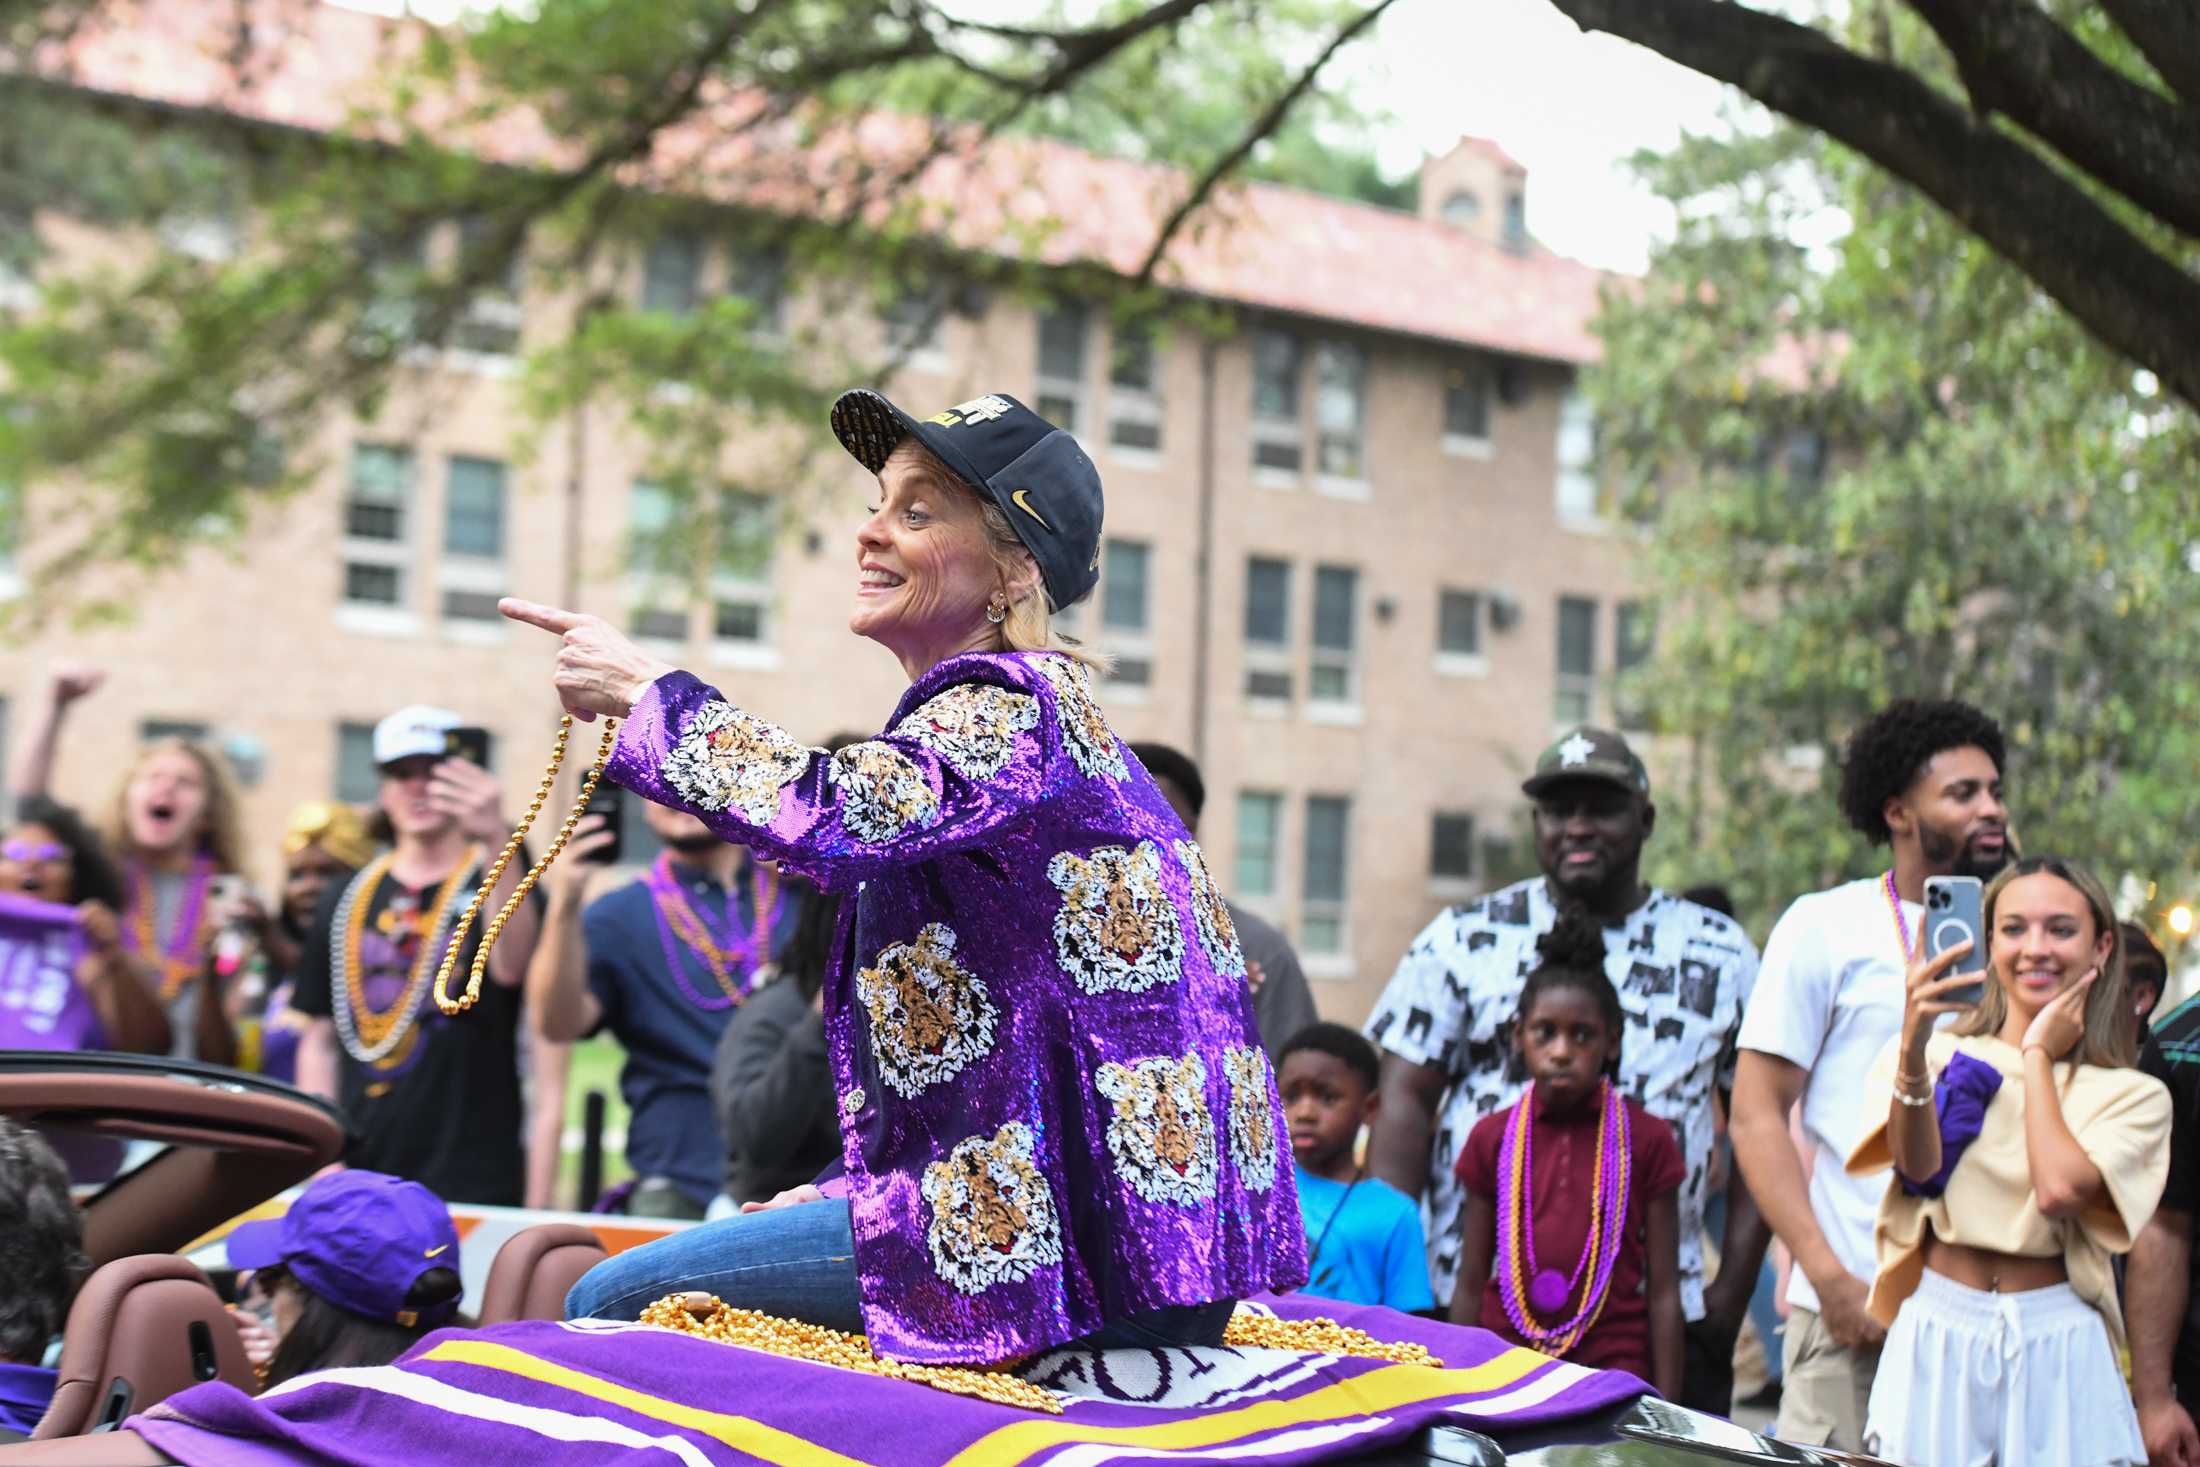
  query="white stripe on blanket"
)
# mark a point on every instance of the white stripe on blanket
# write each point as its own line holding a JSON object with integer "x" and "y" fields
{"x": 1300, "y": 1439}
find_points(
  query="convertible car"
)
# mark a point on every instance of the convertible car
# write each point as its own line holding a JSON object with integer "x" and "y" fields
{"x": 152, "y": 1369}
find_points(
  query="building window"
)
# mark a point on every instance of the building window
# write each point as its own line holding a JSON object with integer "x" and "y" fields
{"x": 1134, "y": 392}
{"x": 376, "y": 508}
{"x": 357, "y": 779}
{"x": 748, "y": 531}
{"x": 1278, "y": 440}
{"x": 1061, "y": 394}
{"x": 1331, "y": 674}
{"x": 1467, "y": 393}
{"x": 1340, "y": 410}
{"x": 490, "y": 325}
{"x": 1634, "y": 637}
{"x": 473, "y": 539}
{"x": 1125, "y": 620}
{"x": 1516, "y": 222}
{"x": 1325, "y": 879}
{"x": 1462, "y": 207}
{"x": 757, "y": 274}
{"x": 1451, "y": 848}
{"x": 1575, "y": 701}
{"x": 658, "y": 570}
{"x": 1268, "y": 630}
{"x": 913, "y": 324}
{"x": 192, "y": 730}
{"x": 1459, "y": 629}
{"x": 1259, "y": 838}
{"x": 671, "y": 274}
{"x": 1577, "y": 484}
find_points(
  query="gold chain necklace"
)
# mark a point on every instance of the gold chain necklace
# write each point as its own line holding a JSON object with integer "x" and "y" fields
{"x": 495, "y": 929}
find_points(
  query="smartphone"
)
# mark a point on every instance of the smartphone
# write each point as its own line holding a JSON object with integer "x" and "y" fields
{"x": 468, "y": 743}
{"x": 609, "y": 801}
{"x": 1955, "y": 912}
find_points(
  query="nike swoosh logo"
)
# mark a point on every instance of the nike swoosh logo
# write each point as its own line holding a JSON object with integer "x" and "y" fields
{"x": 444, "y": 1249}
{"x": 1021, "y": 504}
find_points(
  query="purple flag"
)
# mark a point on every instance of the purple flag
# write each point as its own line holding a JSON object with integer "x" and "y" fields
{"x": 41, "y": 1004}
{"x": 570, "y": 1395}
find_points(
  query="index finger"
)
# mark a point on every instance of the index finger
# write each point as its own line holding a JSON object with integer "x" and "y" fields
{"x": 536, "y": 614}
{"x": 1943, "y": 960}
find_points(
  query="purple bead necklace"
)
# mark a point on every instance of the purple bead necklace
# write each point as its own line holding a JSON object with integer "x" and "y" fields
{"x": 730, "y": 958}
{"x": 1550, "y": 1290}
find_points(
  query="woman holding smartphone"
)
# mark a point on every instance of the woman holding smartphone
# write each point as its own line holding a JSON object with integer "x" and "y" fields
{"x": 2026, "y": 1150}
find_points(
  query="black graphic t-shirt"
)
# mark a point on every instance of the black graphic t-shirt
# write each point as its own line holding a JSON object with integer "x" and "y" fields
{"x": 442, "y": 1106}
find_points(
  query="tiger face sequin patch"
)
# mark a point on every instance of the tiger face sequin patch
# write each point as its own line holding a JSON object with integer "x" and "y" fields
{"x": 1217, "y": 933}
{"x": 883, "y": 793}
{"x": 1092, "y": 744}
{"x": 1161, "y": 1134}
{"x": 1116, "y": 928}
{"x": 734, "y": 761}
{"x": 1253, "y": 1149}
{"x": 929, "y": 1015}
{"x": 993, "y": 1215}
{"x": 973, "y": 727}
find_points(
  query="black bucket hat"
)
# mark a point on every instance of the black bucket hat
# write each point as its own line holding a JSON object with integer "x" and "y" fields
{"x": 1032, "y": 471}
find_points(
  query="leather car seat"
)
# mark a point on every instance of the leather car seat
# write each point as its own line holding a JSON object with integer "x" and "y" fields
{"x": 141, "y": 1330}
{"x": 535, "y": 1269}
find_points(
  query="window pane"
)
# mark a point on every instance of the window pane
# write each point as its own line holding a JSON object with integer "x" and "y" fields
{"x": 1139, "y": 433}
{"x": 1577, "y": 636}
{"x": 470, "y": 606}
{"x": 374, "y": 584}
{"x": 758, "y": 275}
{"x": 1451, "y": 847}
{"x": 1273, "y": 684}
{"x": 381, "y": 482}
{"x": 1062, "y": 342}
{"x": 1326, "y": 819}
{"x": 1058, "y": 408}
{"x": 650, "y": 511}
{"x": 473, "y": 518}
{"x": 1132, "y": 672}
{"x": 670, "y": 272}
{"x": 1276, "y": 376}
{"x": 1339, "y": 407}
{"x": 1258, "y": 816}
{"x": 1267, "y": 601}
{"x": 1327, "y": 682}
{"x": 1320, "y": 932}
{"x": 1277, "y": 453}
{"x": 738, "y": 621}
{"x": 357, "y": 783}
{"x": 1635, "y": 635}
{"x": 913, "y": 321}
{"x": 747, "y": 529}
{"x": 473, "y": 234}
{"x": 153, "y": 730}
{"x": 1459, "y": 623}
{"x": 1577, "y": 488}
{"x": 1123, "y": 587}
{"x": 665, "y": 626}
{"x": 1335, "y": 588}
{"x": 1131, "y": 363}
{"x": 1467, "y": 401}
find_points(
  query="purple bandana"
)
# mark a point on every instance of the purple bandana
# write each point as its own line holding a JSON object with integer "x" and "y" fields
{"x": 1960, "y": 1097}
{"x": 1055, "y": 1110}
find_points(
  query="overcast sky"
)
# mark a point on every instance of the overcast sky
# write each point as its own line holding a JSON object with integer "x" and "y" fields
{"x": 1569, "y": 106}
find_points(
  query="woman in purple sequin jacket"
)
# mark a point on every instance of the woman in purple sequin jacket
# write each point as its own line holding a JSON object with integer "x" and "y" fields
{"x": 1057, "y": 1120}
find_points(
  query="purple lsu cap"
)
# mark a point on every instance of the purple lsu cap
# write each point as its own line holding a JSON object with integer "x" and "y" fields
{"x": 360, "y": 1240}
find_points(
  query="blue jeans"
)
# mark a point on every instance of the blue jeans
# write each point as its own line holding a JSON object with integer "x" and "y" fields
{"x": 799, "y": 1262}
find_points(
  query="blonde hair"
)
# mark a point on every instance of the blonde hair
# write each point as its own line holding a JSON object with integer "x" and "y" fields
{"x": 222, "y": 836}
{"x": 2108, "y": 1040}
{"x": 1027, "y": 626}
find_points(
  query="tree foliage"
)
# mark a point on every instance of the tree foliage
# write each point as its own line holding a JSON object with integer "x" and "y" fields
{"x": 1874, "y": 460}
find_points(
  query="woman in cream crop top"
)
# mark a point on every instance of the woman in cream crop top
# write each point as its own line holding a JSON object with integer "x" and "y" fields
{"x": 2025, "y": 1151}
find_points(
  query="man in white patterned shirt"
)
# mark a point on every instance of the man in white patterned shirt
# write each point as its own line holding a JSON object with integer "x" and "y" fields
{"x": 1683, "y": 973}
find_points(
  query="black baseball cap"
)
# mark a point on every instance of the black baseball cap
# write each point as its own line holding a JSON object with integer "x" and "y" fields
{"x": 1589, "y": 753}
{"x": 1032, "y": 471}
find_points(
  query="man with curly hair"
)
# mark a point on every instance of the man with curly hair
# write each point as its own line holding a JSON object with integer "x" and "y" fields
{"x": 1924, "y": 778}
{"x": 42, "y": 1259}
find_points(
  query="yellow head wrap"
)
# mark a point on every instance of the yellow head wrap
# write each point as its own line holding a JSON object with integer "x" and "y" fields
{"x": 336, "y": 829}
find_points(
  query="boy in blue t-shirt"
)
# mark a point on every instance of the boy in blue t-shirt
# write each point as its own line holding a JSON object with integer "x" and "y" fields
{"x": 1363, "y": 1236}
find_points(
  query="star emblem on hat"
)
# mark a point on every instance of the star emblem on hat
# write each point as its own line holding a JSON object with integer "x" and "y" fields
{"x": 1575, "y": 750}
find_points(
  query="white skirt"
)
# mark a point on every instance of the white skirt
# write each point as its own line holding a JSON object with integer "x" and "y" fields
{"x": 1970, "y": 1378}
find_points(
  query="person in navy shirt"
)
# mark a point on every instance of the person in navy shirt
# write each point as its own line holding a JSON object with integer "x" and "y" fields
{"x": 661, "y": 963}
{"x": 1363, "y": 1236}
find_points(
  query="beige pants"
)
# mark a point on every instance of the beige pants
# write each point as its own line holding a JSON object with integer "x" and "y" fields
{"x": 1825, "y": 1389}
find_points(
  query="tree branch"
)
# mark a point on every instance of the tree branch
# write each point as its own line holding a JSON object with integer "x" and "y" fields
{"x": 2133, "y": 299}
{"x": 2167, "y": 32}
{"x": 2014, "y": 59}
{"x": 1264, "y": 125}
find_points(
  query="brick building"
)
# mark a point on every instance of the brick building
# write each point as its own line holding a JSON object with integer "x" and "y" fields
{"x": 1354, "y": 558}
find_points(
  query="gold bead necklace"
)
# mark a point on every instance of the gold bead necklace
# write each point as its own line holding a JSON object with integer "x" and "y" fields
{"x": 489, "y": 934}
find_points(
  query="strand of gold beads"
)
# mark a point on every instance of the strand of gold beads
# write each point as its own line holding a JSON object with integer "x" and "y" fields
{"x": 1319, "y": 1336}
{"x": 489, "y": 934}
{"x": 711, "y": 1318}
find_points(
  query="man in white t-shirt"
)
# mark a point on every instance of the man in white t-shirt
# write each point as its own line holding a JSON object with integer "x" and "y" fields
{"x": 1925, "y": 779}
{"x": 1683, "y": 973}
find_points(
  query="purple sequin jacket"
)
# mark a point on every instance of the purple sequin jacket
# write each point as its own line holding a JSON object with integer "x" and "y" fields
{"x": 1055, "y": 1109}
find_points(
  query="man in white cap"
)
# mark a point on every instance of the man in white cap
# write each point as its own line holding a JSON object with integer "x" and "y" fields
{"x": 430, "y": 1099}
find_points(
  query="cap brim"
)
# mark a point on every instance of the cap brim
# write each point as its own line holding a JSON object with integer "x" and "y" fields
{"x": 255, "y": 1244}
{"x": 1537, "y": 784}
{"x": 871, "y": 428}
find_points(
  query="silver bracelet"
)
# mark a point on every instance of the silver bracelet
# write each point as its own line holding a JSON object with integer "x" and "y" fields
{"x": 1917, "y": 1101}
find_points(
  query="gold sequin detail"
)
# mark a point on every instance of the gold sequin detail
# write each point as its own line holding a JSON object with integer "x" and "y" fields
{"x": 1320, "y": 1336}
{"x": 713, "y": 1319}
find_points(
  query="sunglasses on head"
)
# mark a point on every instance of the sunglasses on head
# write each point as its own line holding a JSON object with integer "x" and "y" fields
{"x": 33, "y": 850}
